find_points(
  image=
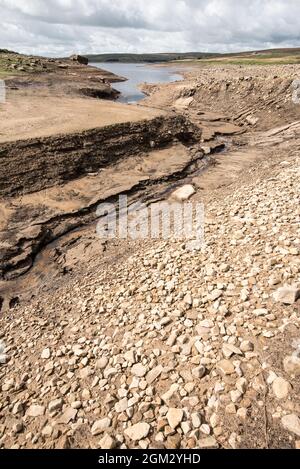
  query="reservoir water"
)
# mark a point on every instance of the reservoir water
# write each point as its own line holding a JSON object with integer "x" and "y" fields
{"x": 137, "y": 74}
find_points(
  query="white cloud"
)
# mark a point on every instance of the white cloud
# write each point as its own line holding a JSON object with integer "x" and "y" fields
{"x": 61, "y": 27}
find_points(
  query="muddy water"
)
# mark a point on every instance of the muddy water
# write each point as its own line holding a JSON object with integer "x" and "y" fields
{"x": 137, "y": 74}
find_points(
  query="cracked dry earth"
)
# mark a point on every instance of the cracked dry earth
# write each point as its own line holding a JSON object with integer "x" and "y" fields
{"x": 166, "y": 348}
{"x": 170, "y": 348}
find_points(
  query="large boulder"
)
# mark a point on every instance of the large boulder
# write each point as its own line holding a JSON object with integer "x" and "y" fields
{"x": 184, "y": 193}
{"x": 80, "y": 59}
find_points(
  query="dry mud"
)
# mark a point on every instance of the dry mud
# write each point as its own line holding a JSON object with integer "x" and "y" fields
{"x": 143, "y": 343}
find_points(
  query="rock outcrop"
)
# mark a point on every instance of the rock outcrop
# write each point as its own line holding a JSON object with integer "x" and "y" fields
{"x": 79, "y": 59}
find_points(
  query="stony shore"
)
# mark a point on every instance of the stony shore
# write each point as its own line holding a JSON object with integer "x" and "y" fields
{"x": 151, "y": 345}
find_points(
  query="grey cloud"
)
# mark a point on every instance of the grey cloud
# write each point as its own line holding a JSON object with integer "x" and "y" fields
{"x": 63, "y": 26}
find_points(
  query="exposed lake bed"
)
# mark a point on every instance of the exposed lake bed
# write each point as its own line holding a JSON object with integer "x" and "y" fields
{"x": 147, "y": 341}
{"x": 136, "y": 75}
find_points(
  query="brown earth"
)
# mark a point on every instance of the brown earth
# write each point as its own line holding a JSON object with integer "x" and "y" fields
{"x": 82, "y": 313}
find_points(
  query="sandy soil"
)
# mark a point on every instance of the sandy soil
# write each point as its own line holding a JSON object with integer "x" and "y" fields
{"x": 58, "y": 97}
{"x": 34, "y": 116}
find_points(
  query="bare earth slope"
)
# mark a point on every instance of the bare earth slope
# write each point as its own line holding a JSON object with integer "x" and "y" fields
{"x": 146, "y": 344}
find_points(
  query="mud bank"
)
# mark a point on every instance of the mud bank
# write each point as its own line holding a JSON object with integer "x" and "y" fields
{"x": 63, "y": 179}
{"x": 35, "y": 164}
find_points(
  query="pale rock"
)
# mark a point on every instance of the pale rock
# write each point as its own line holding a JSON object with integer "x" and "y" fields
{"x": 292, "y": 365}
{"x": 229, "y": 350}
{"x": 186, "y": 428}
{"x": 236, "y": 396}
{"x": 260, "y": 312}
{"x": 291, "y": 423}
{"x": 139, "y": 370}
{"x": 281, "y": 388}
{"x": 68, "y": 415}
{"x": 287, "y": 295}
{"x": 86, "y": 395}
{"x": 154, "y": 374}
{"x": 36, "y": 410}
{"x": 17, "y": 408}
{"x": 252, "y": 120}
{"x": 205, "y": 429}
{"x": 214, "y": 420}
{"x": 225, "y": 367}
{"x": 172, "y": 339}
{"x": 241, "y": 385}
{"x": 174, "y": 417}
{"x": 246, "y": 346}
{"x": 184, "y": 193}
{"x": 230, "y": 409}
{"x": 271, "y": 378}
{"x": 86, "y": 372}
{"x": 18, "y": 427}
{"x": 138, "y": 431}
{"x": 130, "y": 356}
{"x": 122, "y": 405}
{"x": 219, "y": 388}
{"x": 196, "y": 420}
{"x": 188, "y": 299}
{"x": 102, "y": 363}
{"x": 268, "y": 334}
{"x": 55, "y": 405}
{"x": 100, "y": 426}
{"x": 47, "y": 431}
{"x": 242, "y": 413}
{"x": 76, "y": 405}
{"x": 215, "y": 295}
{"x": 208, "y": 443}
{"x": 107, "y": 442}
{"x": 199, "y": 372}
{"x": 46, "y": 354}
{"x": 233, "y": 440}
{"x": 224, "y": 267}
{"x": 167, "y": 396}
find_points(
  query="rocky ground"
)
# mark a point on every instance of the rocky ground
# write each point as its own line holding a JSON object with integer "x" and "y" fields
{"x": 253, "y": 97}
{"x": 151, "y": 345}
{"x": 40, "y": 76}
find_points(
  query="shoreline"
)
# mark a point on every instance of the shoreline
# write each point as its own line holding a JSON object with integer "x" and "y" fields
{"x": 121, "y": 335}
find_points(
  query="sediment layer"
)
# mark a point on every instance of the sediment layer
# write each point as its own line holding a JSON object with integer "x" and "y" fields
{"x": 34, "y": 164}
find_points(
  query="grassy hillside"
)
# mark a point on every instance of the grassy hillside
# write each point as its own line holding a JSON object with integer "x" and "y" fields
{"x": 151, "y": 58}
{"x": 271, "y": 57}
{"x": 263, "y": 57}
{"x": 12, "y": 63}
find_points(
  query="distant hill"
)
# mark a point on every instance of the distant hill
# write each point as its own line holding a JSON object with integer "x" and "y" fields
{"x": 6, "y": 51}
{"x": 287, "y": 55}
{"x": 272, "y": 52}
{"x": 259, "y": 57}
{"x": 151, "y": 58}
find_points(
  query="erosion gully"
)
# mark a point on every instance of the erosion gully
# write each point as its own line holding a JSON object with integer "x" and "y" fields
{"x": 44, "y": 244}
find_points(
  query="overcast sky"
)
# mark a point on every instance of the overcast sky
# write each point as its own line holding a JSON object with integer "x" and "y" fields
{"x": 61, "y": 27}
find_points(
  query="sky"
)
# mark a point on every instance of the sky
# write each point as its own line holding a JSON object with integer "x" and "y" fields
{"x": 63, "y": 27}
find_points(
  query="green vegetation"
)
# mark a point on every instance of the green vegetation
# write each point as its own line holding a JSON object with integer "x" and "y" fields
{"x": 6, "y": 63}
{"x": 150, "y": 58}
{"x": 3, "y": 74}
{"x": 267, "y": 57}
{"x": 246, "y": 61}
{"x": 12, "y": 63}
